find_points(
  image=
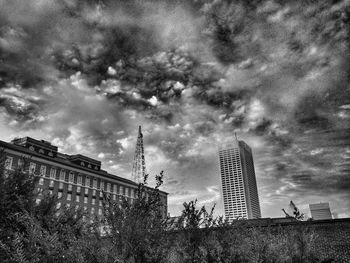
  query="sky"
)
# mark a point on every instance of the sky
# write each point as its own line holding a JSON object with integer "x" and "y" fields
{"x": 85, "y": 74}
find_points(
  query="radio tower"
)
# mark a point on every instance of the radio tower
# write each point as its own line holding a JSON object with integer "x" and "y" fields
{"x": 139, "y": 165}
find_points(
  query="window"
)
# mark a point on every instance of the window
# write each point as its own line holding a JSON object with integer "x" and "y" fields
{"x": 41, "y": 181}
{"x": 132, "y": 193}
{"x": 71, "y": 177}
{"x": 8, "y": 163}
{"x": 32, "y": 167}
{"x": 58, "y": 206}
{"x": 69, "y": 197}
{"x": 53, "y": 173}
{"x": 100, "y": 202}
{"x": 60, "y": 186}
{"x": 87, "y": 181}
{"x": 94, "y": 184}
{"x": 79, "y": 179}
{"x": 86, "y": 191}
{"x": 100, "y": 211}
{"x": 70, "y": 187}
{"x": 78, "y": 189}
{"x": 52, "y": 183}
{"x": 92, "y": 210}
{"x": 42, "y": 170}
{"x": 77, "y": 198}
{"x": 59, "y": 194}
{"x": 63, "y": 175}
{"x": 85, "y": 200}
{"x": 121, "y": 190}
{"x": 115, "y": 189}
{"x": 94, "y": 192}
{"x": 93, "y": 201}
{"x": 102, "y": 185}
{"x": 37, "y": 201}
{"x": 20, "y": 162}
{"x": 108, "y": 187}
{"x": 114, "y": 197}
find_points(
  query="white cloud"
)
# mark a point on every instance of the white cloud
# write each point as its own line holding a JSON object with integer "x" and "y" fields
{"x": 153, "y": 101}
{"x": 111, "y": 71}
{"x": 126, "y": 142}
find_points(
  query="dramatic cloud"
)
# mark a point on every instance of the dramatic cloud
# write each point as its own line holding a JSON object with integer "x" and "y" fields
{"x": 85, "y": 74}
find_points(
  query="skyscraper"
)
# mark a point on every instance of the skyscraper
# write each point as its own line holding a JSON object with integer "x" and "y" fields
{"x": 320, "y": 211}
{"x": 240, "y": 193}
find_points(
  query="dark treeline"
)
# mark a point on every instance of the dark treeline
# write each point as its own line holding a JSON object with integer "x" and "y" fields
{"x": 132, "y": 232}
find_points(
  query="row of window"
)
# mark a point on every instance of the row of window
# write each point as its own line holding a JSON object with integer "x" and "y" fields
{"x": 79, "y": 179}
{"x": 78, "y": 197}
{"x": 78, "y": 188}
{"x": 71, "y": 177}
{"x": 59, "y": 205}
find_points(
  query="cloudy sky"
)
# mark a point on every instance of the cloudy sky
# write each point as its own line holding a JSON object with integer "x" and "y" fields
{"x": 84, "y": 74}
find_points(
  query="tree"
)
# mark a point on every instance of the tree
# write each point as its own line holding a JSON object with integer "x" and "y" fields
{"x": 296, "y": 213}
{"x": 30, "y": 231}
{"x": 137, "y": 226}
{"x": 17, "y": 202}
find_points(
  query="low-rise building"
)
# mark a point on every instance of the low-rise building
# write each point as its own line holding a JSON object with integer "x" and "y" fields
{"x": 320, "y": 211}
{"x": 76, "y": 179}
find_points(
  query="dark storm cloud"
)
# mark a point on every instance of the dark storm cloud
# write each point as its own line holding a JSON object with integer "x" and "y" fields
{"x": 79, "y": 36}
{"x": 192, "y": 73}
{"x": 22, "y": 111}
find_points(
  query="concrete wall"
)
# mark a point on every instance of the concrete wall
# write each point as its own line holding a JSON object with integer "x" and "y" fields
{"x": 332, "y": 235}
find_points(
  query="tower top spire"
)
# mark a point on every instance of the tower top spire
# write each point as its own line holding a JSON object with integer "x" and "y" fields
{"x": 139, "y": 165}
{"x": 236, "y": 136}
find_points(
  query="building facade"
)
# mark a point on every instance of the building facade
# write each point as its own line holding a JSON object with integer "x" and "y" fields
{"x": 77, "y": 180}
{"x": 239, "y": 189}
{"x": 320, "y": 211}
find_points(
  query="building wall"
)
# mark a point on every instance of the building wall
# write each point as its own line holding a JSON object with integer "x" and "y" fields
{"x": 320, "y": 211}
{"x": 332, "y": 236}
{"x": 232, "y": 183}
{"x": 333, "y": 239}
{"x": 75, "y": 186}
{"x": 251, "y": 189}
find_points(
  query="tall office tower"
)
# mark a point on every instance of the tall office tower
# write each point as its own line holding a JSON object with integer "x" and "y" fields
{"x": 240, "y": 193}
{"x": 320, "y": 211}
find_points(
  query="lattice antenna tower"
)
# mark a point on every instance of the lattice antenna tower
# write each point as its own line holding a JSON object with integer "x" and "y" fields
{"x": 139, "y": 165}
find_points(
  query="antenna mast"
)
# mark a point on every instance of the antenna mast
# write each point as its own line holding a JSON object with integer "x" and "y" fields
{"x": 139, "y": 165}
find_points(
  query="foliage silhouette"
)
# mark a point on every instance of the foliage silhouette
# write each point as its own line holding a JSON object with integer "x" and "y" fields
{"x": 134, "y": 230}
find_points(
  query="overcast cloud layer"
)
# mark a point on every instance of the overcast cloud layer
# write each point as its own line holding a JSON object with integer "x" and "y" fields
{"x": 85, "y": 74}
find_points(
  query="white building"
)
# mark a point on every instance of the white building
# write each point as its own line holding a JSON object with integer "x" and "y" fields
{"x": 240, "y": 194}
{"x": 320, "y": 211}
